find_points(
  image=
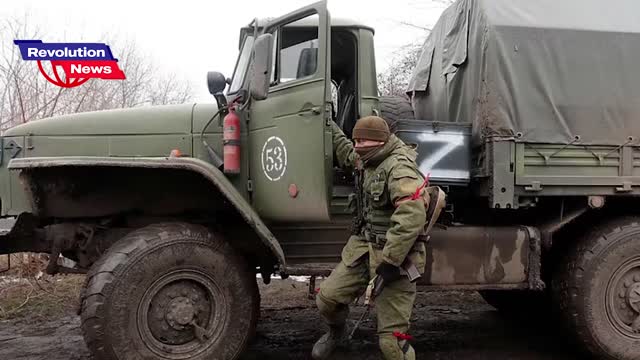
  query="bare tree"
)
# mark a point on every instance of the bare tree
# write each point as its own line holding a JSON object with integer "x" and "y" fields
{"x": 169, "y": 90}
{"x": 395, "y": 79}
{"x": 26, "y": 95}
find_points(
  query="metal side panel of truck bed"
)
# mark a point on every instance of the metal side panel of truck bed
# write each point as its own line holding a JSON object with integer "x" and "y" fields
{"x": 512, "y": 169}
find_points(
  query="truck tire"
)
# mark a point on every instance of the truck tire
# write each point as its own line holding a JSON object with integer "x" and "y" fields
{"x": 394, "y": 108}
{"x": 143, "y": 297}
{"x": 597, "y": 290}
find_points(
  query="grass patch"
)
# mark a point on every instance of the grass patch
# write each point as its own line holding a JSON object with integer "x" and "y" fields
{"x": 39, "y": 300}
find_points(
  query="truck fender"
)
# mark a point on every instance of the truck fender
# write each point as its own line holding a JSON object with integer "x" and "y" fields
{"x": 208, "y": 171}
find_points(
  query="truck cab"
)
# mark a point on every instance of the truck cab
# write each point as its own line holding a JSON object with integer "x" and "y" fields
{"x": 313, "y": 70}
{"x": 315, "y": 76}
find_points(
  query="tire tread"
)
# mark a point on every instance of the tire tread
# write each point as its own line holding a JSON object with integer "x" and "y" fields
{"x": 103, "y": 274}
{"x": 567, "y": 282}
{"x": 395, "y": 108}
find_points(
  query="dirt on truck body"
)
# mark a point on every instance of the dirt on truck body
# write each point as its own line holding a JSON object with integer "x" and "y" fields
{"x": 513, "y": 112}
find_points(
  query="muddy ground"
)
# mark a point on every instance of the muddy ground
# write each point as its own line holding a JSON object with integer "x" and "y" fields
{"x": 456, "y": 325}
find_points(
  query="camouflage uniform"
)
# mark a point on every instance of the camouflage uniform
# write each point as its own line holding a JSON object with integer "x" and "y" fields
{"x": 392, "y": 223}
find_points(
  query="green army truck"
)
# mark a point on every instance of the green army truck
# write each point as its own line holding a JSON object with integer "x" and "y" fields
{"x": 525, "y": 113}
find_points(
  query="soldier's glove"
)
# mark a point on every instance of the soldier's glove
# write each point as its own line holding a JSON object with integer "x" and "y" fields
{"x": 388, "y": 272}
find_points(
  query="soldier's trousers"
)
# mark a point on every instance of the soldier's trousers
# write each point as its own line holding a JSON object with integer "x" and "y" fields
{"x": 393, "y": 306}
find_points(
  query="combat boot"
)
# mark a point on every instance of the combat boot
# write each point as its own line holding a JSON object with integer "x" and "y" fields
{"x": 325, "y": 346}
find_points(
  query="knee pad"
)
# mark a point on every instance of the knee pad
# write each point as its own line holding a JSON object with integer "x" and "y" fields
{"x": 394, "y": 349}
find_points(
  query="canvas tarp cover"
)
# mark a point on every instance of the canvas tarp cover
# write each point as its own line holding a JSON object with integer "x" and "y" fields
{"x": 548, "y": 71}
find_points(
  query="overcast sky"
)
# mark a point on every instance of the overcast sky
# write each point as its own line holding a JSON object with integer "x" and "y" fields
{"x": 189, "y": 38}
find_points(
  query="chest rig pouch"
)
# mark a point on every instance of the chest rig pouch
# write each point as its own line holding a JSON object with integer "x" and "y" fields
{"x": 377, "y": 206}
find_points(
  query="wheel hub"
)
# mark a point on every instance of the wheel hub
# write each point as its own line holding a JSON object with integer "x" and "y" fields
{"x": 174, "y": 310}
{"x": 624, "y": 298}
{"x": 633, "y": 297}
{"x": 181, "y": 312}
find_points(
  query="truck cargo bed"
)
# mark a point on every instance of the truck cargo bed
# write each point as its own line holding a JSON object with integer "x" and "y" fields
{"x": 510, "y": 169}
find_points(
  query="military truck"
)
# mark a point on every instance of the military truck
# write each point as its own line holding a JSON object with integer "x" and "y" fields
{"x": 524, "y": 113}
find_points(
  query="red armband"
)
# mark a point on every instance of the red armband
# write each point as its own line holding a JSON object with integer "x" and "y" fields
{"x": 416, "y": 195}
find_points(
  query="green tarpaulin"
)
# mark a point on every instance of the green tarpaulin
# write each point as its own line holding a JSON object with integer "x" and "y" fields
{"x": 549, "y": 71}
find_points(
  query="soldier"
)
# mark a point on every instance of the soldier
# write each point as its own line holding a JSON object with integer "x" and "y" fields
{"x": 390, "y": 218}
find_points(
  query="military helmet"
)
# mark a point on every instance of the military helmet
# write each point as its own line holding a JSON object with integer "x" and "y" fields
{"x": 371, "y": 128}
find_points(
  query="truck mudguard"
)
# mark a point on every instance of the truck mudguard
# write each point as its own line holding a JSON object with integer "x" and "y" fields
{"x": 212, "y": 174}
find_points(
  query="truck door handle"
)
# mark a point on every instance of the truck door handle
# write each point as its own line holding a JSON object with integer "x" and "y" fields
{"x": 310, "y": 112}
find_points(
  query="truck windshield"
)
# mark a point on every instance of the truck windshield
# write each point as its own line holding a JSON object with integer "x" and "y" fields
{"x": 241, "y": 65}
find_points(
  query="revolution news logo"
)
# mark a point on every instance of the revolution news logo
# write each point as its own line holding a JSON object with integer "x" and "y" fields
{"x": 79, "y": 62}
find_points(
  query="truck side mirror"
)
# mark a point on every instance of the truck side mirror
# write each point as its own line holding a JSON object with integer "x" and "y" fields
{"x": 216, "y": 82}
{"x": 262, "y": 64}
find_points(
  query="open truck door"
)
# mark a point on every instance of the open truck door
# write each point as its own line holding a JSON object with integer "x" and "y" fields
{"x": 289, "y": 130}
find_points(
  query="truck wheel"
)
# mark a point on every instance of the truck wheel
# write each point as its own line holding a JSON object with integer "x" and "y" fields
{"x": 169, "y": 291}
{"x": 598, "y": 290}
{"x": 394, "y": 108}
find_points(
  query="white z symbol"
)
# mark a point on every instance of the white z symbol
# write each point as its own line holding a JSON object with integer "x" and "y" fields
{"x": 452, "y": 142}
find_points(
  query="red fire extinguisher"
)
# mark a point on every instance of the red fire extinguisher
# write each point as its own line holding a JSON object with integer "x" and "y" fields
{"x": 231, "y": 142}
